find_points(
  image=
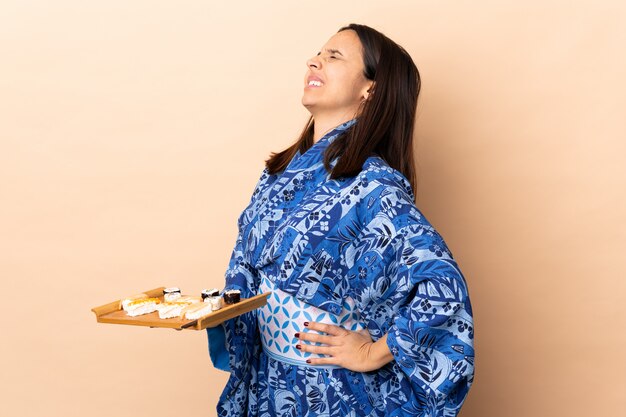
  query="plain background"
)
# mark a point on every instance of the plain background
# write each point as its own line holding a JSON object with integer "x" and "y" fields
{"x": 133, "y": 132}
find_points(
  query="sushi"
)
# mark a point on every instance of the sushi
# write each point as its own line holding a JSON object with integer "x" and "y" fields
{"x": 195, "y": 311}
{"x": 171, "y": 294}
{"x": 171, "y": 309}
{"x": 141, "y": 306}
{"x": 213, "y": 292}
{"x": 125, "y": 301}
{"x": 232, "y": 296}
{"x": 216, "y": 302}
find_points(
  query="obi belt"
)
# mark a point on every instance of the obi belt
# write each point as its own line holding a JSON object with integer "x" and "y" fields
{"x": 284, "y": 315}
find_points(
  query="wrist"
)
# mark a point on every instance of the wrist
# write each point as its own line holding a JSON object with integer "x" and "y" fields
{"x": 380, "y": 355}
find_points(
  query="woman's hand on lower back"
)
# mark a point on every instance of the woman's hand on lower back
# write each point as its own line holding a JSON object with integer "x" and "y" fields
{"x": 354, "y": 350}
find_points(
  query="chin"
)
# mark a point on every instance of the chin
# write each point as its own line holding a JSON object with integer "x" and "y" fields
{"x": 307, "y": 103}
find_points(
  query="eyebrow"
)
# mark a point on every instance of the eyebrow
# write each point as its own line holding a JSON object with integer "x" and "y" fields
{"x": 332, "y": 51}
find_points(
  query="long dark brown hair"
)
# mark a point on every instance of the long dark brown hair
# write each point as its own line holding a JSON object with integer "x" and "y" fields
{"x": 385, "y": 121}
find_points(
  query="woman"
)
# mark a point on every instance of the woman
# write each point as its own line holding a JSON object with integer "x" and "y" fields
{"x": 369, "y": 313}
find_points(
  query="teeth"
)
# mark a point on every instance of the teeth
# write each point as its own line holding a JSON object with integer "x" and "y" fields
{"x": 315, "y": 83}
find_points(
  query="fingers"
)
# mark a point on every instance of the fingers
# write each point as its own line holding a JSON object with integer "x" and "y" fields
{"x": 322, "y": 350}
{"x": 327, "y": 328}
{"x": 323, "y": 361}
{"x": 316, "y": 338}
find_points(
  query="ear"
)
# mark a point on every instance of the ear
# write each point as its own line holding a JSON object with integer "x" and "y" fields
{"x": 367, "y": 90}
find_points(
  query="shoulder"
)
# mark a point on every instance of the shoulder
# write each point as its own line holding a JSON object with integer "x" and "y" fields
{"x": 377, "y": 170}
{"x": 390, "y": 199}
{"x": 387, "y": 184}
{"x": 265, "y": 179}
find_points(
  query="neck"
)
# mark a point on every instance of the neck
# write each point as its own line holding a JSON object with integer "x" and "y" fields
{"x": 325, "y": 123}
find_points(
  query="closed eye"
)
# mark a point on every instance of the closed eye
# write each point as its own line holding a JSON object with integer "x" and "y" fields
{"x": 332, "y": 56}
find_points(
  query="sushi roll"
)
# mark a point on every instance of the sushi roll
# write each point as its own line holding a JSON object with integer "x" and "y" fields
{"x": 232, "y": 296}
{"x": 213, "y": 292}
{"x": 216, "y": 302}
{"x": 171, "y": 294}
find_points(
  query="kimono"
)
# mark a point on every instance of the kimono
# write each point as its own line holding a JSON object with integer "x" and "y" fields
{"x": 323, "y": 242}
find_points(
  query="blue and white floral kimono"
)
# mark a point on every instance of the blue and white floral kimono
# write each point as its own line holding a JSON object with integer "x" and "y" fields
{"x": 354, "y": 252}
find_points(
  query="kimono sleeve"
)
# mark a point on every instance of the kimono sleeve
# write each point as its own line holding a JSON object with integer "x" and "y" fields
{"x": 431, "y": 336}
{"x": 240, "y": 275}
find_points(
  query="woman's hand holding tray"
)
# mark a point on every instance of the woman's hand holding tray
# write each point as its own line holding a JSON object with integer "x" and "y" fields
{"x": 113, "y": 313}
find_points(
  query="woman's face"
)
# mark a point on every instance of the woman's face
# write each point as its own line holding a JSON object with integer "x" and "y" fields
{"x": 334, "y": 83}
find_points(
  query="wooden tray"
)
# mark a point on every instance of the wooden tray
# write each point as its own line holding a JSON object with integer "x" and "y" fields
{"x": 111, "y": 313}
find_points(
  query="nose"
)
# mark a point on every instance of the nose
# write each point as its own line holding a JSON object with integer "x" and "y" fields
{"x": 314, "y": 62}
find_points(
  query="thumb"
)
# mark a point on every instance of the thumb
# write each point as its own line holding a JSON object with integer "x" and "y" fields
{"x": 364, "y": 332}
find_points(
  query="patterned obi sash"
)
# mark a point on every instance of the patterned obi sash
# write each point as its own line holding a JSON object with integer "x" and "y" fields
{"x": 284, "y": 315}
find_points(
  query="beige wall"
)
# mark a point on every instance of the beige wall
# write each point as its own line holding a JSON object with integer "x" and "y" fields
{"x": 133, "y": 132}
